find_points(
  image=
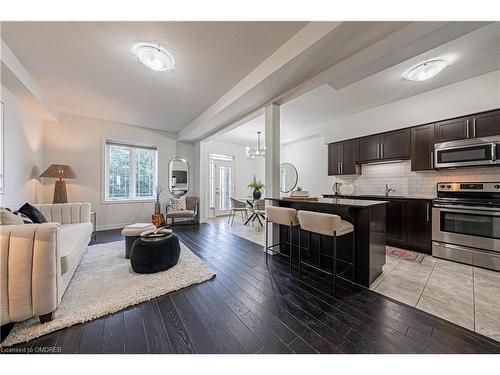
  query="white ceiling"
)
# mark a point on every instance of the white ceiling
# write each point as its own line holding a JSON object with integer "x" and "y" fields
{"x": 471, "y": 55}
{"x": 87, "y": 67}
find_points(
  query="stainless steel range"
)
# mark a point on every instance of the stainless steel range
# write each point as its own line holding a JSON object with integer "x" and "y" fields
{"x": 466, "y": 223}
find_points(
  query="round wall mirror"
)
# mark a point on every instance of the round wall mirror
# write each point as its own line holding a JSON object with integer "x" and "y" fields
{"x": 288, "y": 177}
{"x": 178, "y": 176}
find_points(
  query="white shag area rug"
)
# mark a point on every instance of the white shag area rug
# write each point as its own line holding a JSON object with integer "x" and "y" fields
{"x": 104, "y": 283}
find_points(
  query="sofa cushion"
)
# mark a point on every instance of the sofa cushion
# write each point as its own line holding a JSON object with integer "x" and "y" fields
{"x": 33, "y": 213}
{"x": 9, "y": 218}
{"x": 72, "y": 241}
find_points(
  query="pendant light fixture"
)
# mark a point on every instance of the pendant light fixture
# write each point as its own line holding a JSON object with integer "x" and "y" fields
{"x": 254, "y": 152}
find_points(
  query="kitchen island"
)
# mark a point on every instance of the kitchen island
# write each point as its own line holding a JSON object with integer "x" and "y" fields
{"x": 368, "y": 218}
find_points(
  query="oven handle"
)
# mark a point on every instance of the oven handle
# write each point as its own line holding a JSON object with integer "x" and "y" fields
{"x": 469, "y": 209}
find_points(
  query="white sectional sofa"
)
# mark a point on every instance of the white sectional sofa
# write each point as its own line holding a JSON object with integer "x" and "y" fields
{"x": 37, "y": 261}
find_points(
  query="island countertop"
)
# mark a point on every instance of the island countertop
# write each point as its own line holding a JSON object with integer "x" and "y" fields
{"x": 334, "y": 201}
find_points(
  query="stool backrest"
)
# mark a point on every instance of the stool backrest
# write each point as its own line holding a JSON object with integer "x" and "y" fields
{"x": 282, "y": 215}
{"x": 318, "y": 222}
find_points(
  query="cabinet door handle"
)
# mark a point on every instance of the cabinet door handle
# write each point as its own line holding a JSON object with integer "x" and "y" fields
{"x": 432, "y": 159}
{"x": 474, "y": 127}
{"x": 381, "y": 150}
{"x": 467, "y": 130}
{"x": 338, "y": 167}
{"x": 427, "y": 211}
{"x": 378, "y": 150}
{"x": 341, "y": 167}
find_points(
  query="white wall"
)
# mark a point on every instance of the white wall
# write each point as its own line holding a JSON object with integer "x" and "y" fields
{"x": 310, "y": 159}
{"x": 78, "y": 141}
{"x": 476, "y": 94}
{"x": 24, "y": 157}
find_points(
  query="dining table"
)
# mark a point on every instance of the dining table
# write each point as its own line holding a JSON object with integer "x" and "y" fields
{"x": 250, "y": 201}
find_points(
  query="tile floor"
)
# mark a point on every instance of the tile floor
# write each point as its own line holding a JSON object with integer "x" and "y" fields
{"x": 465, "y": 295}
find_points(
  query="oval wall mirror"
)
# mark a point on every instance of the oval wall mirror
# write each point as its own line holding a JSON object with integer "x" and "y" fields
{"x": 288, "y": 177}
{"x": 178, "y": 176}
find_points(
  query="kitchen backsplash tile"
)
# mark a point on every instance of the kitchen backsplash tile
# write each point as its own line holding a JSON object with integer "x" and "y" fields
{"x": 399, "y": 176}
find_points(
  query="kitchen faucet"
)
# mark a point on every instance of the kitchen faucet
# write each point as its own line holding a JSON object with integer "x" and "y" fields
{"x": 388, "y": 190}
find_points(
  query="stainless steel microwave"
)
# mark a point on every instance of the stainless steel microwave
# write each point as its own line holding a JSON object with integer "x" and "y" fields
{"x": 467, "y": 153}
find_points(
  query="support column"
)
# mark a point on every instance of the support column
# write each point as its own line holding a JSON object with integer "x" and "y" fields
{"x": 272, "y": 138}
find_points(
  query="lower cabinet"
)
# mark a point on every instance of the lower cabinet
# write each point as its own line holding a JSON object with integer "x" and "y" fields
{"x": 409, "y": 224}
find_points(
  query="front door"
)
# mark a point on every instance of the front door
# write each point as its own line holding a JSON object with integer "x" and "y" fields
{"x": 223, "y": 186}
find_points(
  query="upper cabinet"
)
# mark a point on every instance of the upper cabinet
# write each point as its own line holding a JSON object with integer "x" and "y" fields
{"x": 369, "y": 148}
{"x": 395, "y": 144}
{"x": 416, "y": 143}
{"x": 342, "y": 158}
{"x": 484, "y": 124}
{"x": 452, "y": 130}
{"x": 422, "y": 147}
{"x": 386, "y": 146}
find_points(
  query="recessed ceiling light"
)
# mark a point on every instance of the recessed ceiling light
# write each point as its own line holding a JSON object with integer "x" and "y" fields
{"x": 154, "y": 56}
{"x": 425, "y": 70}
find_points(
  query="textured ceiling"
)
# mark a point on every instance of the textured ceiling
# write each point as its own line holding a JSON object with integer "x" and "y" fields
{"x": 87, "y": 67}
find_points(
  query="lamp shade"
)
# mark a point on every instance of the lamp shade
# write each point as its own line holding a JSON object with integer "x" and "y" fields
{"x": 59, "y": 171}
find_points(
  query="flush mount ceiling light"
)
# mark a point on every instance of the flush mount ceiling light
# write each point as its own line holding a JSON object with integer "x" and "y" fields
{"x": 154, "y": 56}
{"x": 426, "y": 70}
{"x": 254, "y": 152}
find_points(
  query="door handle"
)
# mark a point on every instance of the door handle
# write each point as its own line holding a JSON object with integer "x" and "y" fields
{"x": 467, "y": 130}
{"x": 427, "y": 210}
{"x": 381, "y": 151}
{"x": 338, "y": 167}
{"x": 432, "y": 159}
{"x": 341, "y": 167}
{"x": 474, "y": 127}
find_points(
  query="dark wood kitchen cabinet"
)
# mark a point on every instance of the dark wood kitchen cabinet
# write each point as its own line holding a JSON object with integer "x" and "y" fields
{"x": 452, "y": 130}
{"x": 369, "y": 148}
{"x": 422, "y": 148}
{"x": 342, "y": 158}
{"x": 396, "y": 230}
{"x": 395, "y": 144}
{"x": 418, "y": 218}
{"x": 486, "y": 124}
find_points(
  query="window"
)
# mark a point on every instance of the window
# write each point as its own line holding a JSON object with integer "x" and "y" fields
{"x": 130, "y": 171}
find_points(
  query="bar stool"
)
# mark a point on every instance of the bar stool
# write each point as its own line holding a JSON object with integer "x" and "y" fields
{"x": 281, "y": 216}
{"x": 332, "y": 226}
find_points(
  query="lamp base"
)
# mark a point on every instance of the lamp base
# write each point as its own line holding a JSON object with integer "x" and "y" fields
{"x": 60, "y": 195}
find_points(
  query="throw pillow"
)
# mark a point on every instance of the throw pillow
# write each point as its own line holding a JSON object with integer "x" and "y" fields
{"x": 178, "y": 204}
{"x": 33, "y": 213}
{"x": 9, "y": 218}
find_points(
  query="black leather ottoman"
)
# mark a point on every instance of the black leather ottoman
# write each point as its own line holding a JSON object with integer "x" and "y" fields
{"x": 150, "y": 255}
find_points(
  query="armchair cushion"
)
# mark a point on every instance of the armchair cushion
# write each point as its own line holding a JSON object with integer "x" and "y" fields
{"x": 178, "y": 204}
{"x": 33, "y": 213}
{"x": 181, "y": 214}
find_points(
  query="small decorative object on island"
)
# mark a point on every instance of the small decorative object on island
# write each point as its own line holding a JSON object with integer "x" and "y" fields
{"x": 59, "y": 171}
{"x": 256, "y": 186}
{"x": 157, "y": 203}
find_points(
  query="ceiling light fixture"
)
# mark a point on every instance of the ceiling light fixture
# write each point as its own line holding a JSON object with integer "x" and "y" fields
{"x": 154, "y": 56}
{"x": 426, "y": 70}
{"x": 254, "y": 152}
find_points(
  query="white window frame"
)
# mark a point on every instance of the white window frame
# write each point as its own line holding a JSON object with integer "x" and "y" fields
{"x": 132, "y": 180}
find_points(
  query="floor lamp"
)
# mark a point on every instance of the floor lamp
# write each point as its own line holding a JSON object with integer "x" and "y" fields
{"x": 59, "y": 171}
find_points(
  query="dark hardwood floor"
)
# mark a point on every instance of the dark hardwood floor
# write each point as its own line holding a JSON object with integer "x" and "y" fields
{"x": 251, "y": 308}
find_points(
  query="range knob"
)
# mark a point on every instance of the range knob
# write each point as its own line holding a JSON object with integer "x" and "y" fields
{"x": 441, "y": 186}
{"x": 448, "y": 186}
{"x": 497, "y": 186}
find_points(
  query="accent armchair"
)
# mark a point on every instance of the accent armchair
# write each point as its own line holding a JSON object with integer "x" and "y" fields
{"x": 191, "y": 213}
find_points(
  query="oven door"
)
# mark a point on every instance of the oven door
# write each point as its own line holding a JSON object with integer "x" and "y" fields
{"x": 465, "y": 155}
{"x": 478, "y": 228}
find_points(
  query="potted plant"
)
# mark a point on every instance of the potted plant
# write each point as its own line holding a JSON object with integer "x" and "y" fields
{"x": 257, "y": 186}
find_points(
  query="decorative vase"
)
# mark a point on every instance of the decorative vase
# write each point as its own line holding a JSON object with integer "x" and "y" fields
{"x": 157, "y": 207}
{"x": 257, "y": 194}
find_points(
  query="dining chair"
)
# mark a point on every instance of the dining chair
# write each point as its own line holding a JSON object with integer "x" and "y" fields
{"x": 237, "y": 206}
